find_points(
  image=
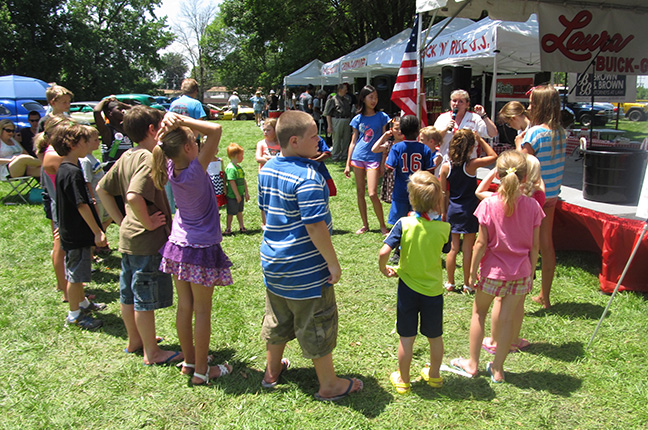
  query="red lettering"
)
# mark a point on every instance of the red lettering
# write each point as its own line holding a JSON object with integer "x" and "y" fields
{"x": 644, "y": 65}
{"x": 443, "y": 47}
{"x": 431, "y": 52}
{"x": 571, "y": 42}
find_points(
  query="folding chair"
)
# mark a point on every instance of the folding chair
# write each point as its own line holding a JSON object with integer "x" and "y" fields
{"x": 20, "y": 185}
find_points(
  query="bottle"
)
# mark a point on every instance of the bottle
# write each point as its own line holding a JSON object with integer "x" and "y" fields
{"x": 115, "y": 145}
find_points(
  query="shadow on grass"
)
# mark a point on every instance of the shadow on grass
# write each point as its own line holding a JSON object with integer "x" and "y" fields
{"x": 456, "y": 388}
{"x": 570, "y": 351}
{"x": 572, "y": 309}
{"x": 559, "y": 384}
{"x": 582, "y": 260}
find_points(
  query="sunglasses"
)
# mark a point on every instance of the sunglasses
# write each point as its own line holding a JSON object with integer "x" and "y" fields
{"x": 9, "y": 130}
{"x": 34, "y": 120}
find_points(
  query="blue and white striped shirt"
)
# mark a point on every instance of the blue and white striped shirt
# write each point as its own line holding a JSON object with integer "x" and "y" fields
{"x": 292, "y": 194}
{"x": 552, "y": 162}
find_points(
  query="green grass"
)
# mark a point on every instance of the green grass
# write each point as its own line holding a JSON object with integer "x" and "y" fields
{"x": 56, "y": 377}
{"x": 634, "y": 130}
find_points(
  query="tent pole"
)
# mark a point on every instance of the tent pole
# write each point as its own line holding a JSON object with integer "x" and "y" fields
{"x": 483, "y": 95}
{"x": 418, "y": 67}
{"x": 493, "y": 93}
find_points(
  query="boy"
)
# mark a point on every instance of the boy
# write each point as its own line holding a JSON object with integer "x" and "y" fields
{"x": 298, "y": 260}
{"x": 431, "y": 137}
{"x": 92, "y": 172}
{"x": 59, "y": 99}
{"x": 236, "y": 187}
{"x": 405, "y": 158}
{"x": 421, "y": 237}
{"x": 79, "y": 225}
{"x": 142, "y": 232}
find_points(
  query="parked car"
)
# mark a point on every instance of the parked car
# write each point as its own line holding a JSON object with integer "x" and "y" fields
{"x": 635, "y": 111}
{"x": 139, "y": 99}
{"x": 83, "y": 111}
{"x": 244, "y": 113}
{"x": 17, "y": 110}
{"x": 586, "y": 114}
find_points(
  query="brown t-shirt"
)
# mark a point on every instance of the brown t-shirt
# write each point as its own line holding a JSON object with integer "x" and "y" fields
{"x": 132, "y": 174}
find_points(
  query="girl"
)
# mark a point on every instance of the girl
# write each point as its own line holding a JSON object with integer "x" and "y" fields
{"x": 506, "y": 253}
{"x": 533, "y": 187}
{"x": 515, "y": 116}
{"x": 267, "y": 149}
{"x": 547, "y": 140}
{"x": 460, "y": 203}
{"x": 391, "y": 137}
{"x": 193, "y": 253}
{"x": 367, "y": 126}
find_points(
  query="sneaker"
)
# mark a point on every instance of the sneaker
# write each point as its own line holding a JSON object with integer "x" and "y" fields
{"x": 85, "y": 322}
{"x": 94, "y": 307}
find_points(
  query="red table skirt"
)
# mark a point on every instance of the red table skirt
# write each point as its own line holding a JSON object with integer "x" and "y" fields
{"x": 581, "y": 229}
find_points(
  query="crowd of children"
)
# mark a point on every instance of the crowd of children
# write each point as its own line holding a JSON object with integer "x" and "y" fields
{"x": 434, "y": 200}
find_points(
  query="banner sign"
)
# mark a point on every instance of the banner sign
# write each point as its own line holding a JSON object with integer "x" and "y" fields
{"x": 571, "y": 37}
{"x": 606, "y": 88}
{"x": 513, "y": 87}
{"x": 467, "y": 45}
{"x": 343, "y": 66}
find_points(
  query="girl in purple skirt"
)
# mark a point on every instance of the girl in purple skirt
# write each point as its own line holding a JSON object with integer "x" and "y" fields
{"x": 193, "y": 253}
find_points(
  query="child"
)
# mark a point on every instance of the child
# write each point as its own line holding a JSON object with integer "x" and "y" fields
{"x": 92, "y": 172}
{"x": 461, "y": 201}
{"x": 431, "y": 137}
{"x": 59, "y": 99}
{"x": 421, "y": 237}
{"x": 193, "y": 253}
{"x": 383, "y": 145}
{"x": 237, "y": 188}
{"x": 533, "y": 187}
{"x": 142, "y": 232}
{"x": 267, "y": 148}
{"x": 114, "y": 140}
{"x": 506, "y": 253}
{"x": 298, "y": 260}
{"x": 406, "y": 158}
{"x": 367, "y": 126}
{"x": 79, "y": 226}
{"x": 217, "y": 177}
{"x": 323, "y": 153}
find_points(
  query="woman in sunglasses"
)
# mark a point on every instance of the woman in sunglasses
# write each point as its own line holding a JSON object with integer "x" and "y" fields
{"x": 14, "y": 160}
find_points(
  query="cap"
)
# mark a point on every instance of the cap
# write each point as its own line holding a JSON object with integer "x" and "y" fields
{"x": 272, "y": 91}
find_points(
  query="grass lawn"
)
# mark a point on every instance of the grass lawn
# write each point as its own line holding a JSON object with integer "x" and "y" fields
{"x": 58, "y": 377}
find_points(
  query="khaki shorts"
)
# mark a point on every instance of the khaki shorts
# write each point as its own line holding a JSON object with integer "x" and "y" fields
{"x": 314, "y": 322}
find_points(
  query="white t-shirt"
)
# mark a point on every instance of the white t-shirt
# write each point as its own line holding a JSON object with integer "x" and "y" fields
{"x": 470, "y": 120}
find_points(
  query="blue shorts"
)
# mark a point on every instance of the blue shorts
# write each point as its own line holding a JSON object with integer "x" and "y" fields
{"x": 78, "y": 265}
{"x": 410, "y": 305}
{"x": 143, "y": 285}
{"x": 398, "y": 210}
{"x": 366, "y": 165}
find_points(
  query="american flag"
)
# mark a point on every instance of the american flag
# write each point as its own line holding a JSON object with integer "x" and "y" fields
{"x": 404, "y": 94}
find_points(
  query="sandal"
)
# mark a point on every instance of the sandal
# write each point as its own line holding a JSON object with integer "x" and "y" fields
{"x": 285, "y": 364}
{"x": 432, "y": 382}
{"x": 449, "y": 287}
{"x": 227, "y": 232}
{"x": 224, "y": 370}
{"x": 468, "y": 290}
{"x": 400, "y": 387}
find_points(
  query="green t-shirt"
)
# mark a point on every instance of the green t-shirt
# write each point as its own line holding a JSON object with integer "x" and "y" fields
{"x": 235, "y": 173}
{"x": 421, "y": 244}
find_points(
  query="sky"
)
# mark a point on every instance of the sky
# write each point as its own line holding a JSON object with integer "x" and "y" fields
{"x": 171, "y": 8}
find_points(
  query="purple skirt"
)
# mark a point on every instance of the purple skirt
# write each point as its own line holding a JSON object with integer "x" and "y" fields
{"x": 207, "y": 266}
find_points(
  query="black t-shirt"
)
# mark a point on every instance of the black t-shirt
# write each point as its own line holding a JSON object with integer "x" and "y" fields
{"x": 71, "y": 191}
{"x": 27, "y": 140}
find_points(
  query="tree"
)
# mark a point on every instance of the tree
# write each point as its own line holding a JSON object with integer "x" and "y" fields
{"x": 93, "y": 48}
{"x": 173, "y": 70}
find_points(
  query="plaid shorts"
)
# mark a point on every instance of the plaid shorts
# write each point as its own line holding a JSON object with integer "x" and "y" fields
{"x": 500, "y": 288}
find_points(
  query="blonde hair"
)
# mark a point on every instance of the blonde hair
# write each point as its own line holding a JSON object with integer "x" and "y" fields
{"x": 170, "y": 146}
{"x": 42, "y": 139}
{"x": 189, "y": 86}
{"x": 512, "y": 109}
{"x": 6, "y": 122}
{"x": 424, "y": 191}
{"x": 461, "y": 146}
{"x": 546, "y": 110}
{"x": 56, "y": 91}
{"x": 534, "y": 177}
{"x": 461, "y": 93}
{"x": 272, "y": 122}
{"x": 233, "y": 150}
{"x": 511, "y": 169}
{"x": 431, "y": 133}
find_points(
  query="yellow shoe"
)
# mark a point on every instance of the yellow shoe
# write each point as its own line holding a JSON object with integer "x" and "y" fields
{"x": 432, "y": 382}
{"x": 400, "y": 387}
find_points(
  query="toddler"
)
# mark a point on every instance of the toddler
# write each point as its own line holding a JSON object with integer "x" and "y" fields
{"x": 237, "y": 189}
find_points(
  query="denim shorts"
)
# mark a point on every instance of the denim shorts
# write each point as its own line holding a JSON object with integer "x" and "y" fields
{"x": 412, "y": 304}
{"x": 78, "y": 265}
{"x": 314, "y": 322}
{"x": 141, "y": 283}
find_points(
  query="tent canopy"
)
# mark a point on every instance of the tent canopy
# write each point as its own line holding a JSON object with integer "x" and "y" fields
{"x": 309, "y": 74}
{"x": 22, "y": 87}
{"x": 348, "y": 64}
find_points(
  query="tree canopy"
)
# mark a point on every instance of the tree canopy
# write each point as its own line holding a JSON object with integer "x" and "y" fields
{"x": 93, "y": 48}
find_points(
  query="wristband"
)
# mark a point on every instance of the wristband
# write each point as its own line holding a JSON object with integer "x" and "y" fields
{"x": 484, "y": 115}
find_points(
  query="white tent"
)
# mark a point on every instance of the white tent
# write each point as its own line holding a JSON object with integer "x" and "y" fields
{"x": 347, "y": 65}
{"x": 309, "y": 74}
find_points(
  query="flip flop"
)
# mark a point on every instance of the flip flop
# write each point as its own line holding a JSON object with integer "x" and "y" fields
{"x": 158, "y": 339}
{"x": 343, "y": 395}
{"x": 456, "y": 363}
{"x": 490, "y": 372}
{"x": 489, "y": 348}
{"x": 166, "y": 362}
{"x": 362, "y": 230}
{"x": 285, "y": 364}
{"x": 522, "y": 344}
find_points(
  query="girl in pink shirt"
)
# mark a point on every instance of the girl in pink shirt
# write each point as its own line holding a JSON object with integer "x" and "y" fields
{"x": 506, "y": 252}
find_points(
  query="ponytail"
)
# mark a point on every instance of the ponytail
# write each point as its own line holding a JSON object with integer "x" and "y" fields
{"x": 511, "y": 169}
{"x": 170, "y": 146}
{"x": 159, "y": 163}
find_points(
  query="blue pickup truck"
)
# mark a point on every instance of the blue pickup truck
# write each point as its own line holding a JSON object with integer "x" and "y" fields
{"x": 17, "y": 110}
